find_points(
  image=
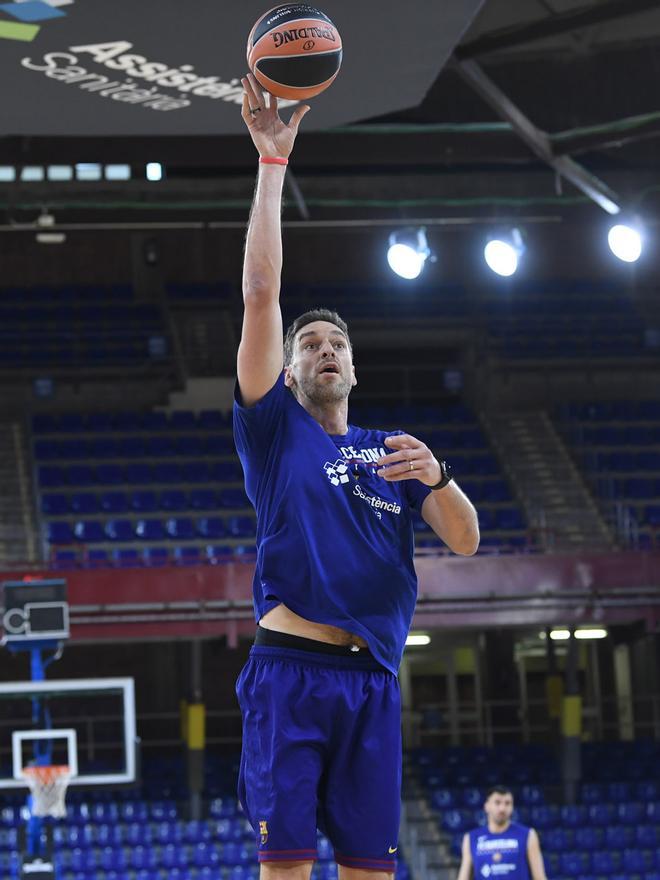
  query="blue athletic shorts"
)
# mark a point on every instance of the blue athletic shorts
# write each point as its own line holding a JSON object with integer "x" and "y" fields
{"x": 321, "y": 749}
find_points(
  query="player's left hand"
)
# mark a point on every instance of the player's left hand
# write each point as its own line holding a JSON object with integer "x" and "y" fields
{"x": 410, "y": 460}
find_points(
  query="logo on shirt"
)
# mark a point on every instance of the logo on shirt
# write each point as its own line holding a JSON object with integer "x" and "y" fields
{"x": 336, "y": 472}
{"x": 263, "y": 832}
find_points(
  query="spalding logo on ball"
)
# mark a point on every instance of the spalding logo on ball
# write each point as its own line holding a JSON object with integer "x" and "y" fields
{"x": 294, "y": 51}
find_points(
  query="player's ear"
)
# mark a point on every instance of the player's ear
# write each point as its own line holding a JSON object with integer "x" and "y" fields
{"x": 353, "y": 377}
{"x": 288, "y": 377}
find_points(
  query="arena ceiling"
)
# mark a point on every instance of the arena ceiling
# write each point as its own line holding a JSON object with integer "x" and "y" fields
{"x": 457, "y": 99}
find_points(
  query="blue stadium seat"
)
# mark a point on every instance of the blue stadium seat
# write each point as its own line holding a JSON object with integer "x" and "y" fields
{"x": 211, "y": 419}
{"x": 494, "y": 490}
{"x": 181, "y": 528}
{"x": 109, "y": 474}
{"x": 602, "y": 813}
{"x": 195, "y": 472}
{"x": 54, "y": 503}
{"x": 173, "y": 499}
{"x": 114, "y": 502}
{"x": 150, "y": 530}
{"x": 652, "y": 514}
{"x": 98, "y": 421}
{"x": 131, "y": 447}
{"x": 102, "y": 447}
{"x": 606, "y": 861}
{"x": 189, "y": 445}
{"x": 159, "y": 446}
{"x": 545, "y": 816}
{"x": 144, "y": 501}
{"x": 211, "y": 527}
{"x": 509, "y": 518}
{"x": 218, "y": 444}
{"x": 574, "y": 864}
{"x": 167, "y": 472}
{"x": 573, "y": 815}
{"x": 618, "y": 837}
{"x": 183, "y": 419}
{"x": 204, "y": 499}
{"x": 443, "y": 799}
{"x": 84, "y": 502}
{"x": 64, "y": 560}
{"x": 529, "y": 795}
{"x": 138, "y": 474}
{"x": 225, "y": 472}
{"x": 120, "y": 530}
{"x": 631, "y": 812}
{"x": 187, "y": 555}
{"x": 59, "y": 533}
{"x": 457, "y": 820}
{"x": 126, "y": 557}
{"x": 218, "y": 553}
{"x": 89, "y": 531}
{"x": 557, "y": 840}
{"x": 241, "y": 526}
{"x": 636, "y": 861}
{"x": 95, "y": 558}
{"x": 233, "y": 498}
{"x": 80, "y": 475}
{"x": 153, "y": 421}
{"x": 589, "y": 838}
{"x": 51, "y": 476}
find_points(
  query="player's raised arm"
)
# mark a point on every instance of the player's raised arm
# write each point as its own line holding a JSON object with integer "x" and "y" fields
{"x": 260, "y": 356}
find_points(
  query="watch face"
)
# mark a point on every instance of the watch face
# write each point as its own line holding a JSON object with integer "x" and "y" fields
{"x": 446, "y": 470}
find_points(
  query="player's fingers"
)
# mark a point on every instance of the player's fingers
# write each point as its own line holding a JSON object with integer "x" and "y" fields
{"x": 297, "y": 117}
{"x": 249, "y": 91}
{"x": 257, "y": 91}
{"x": 398, "y": 441}
{"x": 245, "y": 111}
{"x": 404, "y": 454}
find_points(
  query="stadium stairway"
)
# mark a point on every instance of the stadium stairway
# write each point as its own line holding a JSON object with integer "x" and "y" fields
{"x": 17, "y": 517}
{"x": 549, "y": 486}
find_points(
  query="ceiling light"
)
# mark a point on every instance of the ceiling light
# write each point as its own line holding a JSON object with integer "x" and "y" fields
{"x": 502, "y": 255}
{"x": 418, "y": 639}
{"x": 154, "y": 171}
{"x": 595, "y": 633}
{"x": 407, "y": 253}
{"x": 625, "y": 242}
{"x": 46, "y": 233}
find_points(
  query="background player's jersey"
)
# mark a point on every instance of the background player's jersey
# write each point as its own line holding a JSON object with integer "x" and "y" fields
{"x": 500, "y": 855}
{"x": 335, "y": 541}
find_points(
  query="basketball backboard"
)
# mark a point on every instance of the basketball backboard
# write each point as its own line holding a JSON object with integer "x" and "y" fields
{"x": 87, "y": 724}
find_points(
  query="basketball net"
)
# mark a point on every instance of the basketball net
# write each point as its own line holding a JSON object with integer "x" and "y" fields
{"x": 48, "y": 786}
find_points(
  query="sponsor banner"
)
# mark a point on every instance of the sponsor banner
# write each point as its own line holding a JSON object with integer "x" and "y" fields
{"x": 165, "y": 67}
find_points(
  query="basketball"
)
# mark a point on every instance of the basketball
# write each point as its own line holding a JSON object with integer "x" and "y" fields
{"x": 294, "y": 51}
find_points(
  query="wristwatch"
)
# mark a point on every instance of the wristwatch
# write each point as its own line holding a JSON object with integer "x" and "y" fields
{"x": 446, "y": 476}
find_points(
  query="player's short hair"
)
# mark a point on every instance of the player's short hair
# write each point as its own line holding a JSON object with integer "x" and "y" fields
{"x": 309, "y": 318}
{"x": 498, "y": 789}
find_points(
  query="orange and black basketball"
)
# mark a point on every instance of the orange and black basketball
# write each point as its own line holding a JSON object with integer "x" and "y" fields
{"x": 294, "y": 51}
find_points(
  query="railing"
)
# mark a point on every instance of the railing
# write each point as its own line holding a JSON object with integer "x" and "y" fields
{"x": 433, "y": 724}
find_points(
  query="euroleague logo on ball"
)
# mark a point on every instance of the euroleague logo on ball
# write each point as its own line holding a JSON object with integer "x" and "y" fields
{"x": 309, "y": 45}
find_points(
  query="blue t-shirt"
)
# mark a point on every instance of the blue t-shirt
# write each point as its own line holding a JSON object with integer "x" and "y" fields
{"x": 335, "y": 541}
{"x": 500, "y": 855}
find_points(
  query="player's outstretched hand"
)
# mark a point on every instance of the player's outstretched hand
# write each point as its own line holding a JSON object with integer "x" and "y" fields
{"x": 410, "y": 459}
{"x": 271, "y": 136}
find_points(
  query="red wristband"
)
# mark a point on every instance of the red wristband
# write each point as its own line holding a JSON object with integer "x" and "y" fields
{"x": 272, "y": 160}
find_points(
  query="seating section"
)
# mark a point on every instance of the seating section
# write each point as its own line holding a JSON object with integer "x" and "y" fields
{"x": 613, "y": 831}
{"x": 64, "y": 327}
{"x": 564, "y": 320}
{"x": 142, "y": 834}
{"x": 112, "y": 485}
{"x": 453, "y": 432}
{"x": 617, "y": 445}
{"x": 128, "y": 488}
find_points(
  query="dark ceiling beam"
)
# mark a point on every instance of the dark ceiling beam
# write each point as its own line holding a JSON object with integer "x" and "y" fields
{"x": 536, "y": 139}
{"x": 552, "y": 26}
{"x": 586, "y": 142}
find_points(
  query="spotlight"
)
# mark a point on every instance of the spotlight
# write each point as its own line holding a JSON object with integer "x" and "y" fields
{"x": 625, "y": 242}
{"x": 502, "y": 254}
{"x": 407, "y": 253}
{"x": 418, "y": 639}
{"x": 154, "y": 171}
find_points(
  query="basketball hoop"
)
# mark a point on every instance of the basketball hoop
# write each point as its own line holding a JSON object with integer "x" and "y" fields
{"x": 48, "y": 786}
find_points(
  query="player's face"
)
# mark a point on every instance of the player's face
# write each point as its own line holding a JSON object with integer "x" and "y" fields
{"x": 322, "y": 365}
{"x": 499, "y": 808}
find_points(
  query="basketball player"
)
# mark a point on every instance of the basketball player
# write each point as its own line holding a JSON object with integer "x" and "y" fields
{"x": 501, "y": 848}
{"x": 335, "y": 585}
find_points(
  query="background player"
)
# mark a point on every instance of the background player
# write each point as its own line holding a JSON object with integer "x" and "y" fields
{"x": 501, "y": 848}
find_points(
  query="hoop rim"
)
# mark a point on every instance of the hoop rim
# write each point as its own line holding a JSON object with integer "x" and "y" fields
{"x": 46, "y": 772}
